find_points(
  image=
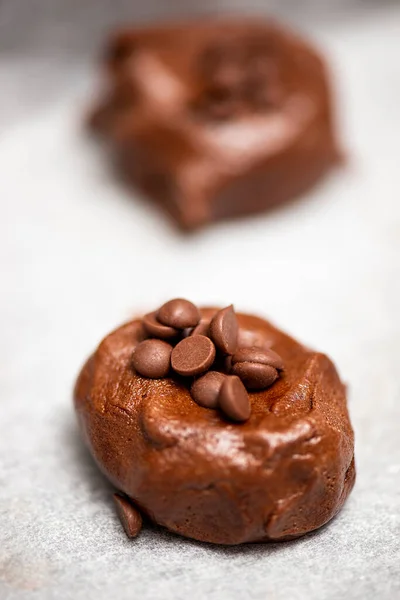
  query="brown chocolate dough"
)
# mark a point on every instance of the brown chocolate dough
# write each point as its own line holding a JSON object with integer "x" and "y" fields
{"x": 218, "y": 117}
{"x": 284, "y": 472}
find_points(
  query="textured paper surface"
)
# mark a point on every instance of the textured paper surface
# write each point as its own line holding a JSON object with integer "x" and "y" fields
{"x": 79, "y": 255}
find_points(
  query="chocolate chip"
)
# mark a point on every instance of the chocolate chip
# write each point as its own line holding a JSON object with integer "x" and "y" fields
{"x": 193, "y": 355}
{"x": 221, "y": 64}
{"x": 202, "y": 328}
{"x": 152, "y": 358}
{"x": 233, "y": 399}
{"x": 255, "y": 376}
{"x": 220, "y": 103}
{"x": 157, "y": 329}
{"x": 205, "y": 390}
{"x": 256, "y": 367}
{"x": 258, "y": 355}
{"x": 178, "y": 313}
{"x": 129, "y": 516}
{"x": 224, "y": 330}
{"x": 209, "y": 106}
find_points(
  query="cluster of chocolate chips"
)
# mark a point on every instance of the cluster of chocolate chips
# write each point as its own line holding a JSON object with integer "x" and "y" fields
{"x": 181, "y": 340}
{"x": 239, "y": 76}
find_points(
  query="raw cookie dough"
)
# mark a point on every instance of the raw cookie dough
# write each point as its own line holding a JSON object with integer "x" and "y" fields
{"x": 283, "y": 468}
{"x": 218, "y": 117}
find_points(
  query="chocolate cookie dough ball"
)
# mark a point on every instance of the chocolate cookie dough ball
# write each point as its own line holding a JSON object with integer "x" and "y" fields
{"x": 218, "y": 117}
{"x": 237, "y": 434}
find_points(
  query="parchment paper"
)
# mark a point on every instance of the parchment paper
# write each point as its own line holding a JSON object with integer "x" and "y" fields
{"x": 80, "y": 254}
